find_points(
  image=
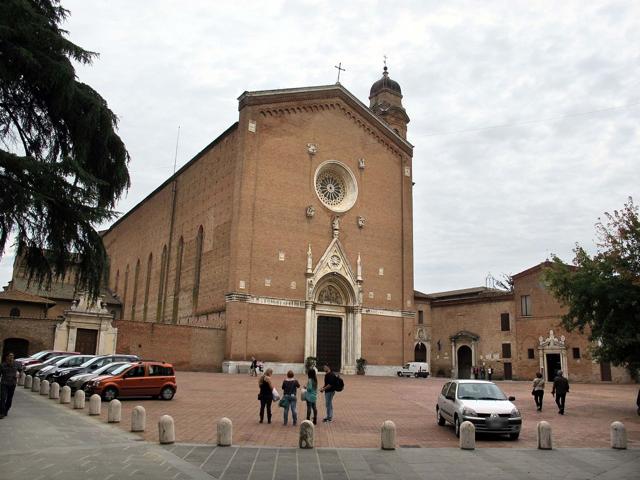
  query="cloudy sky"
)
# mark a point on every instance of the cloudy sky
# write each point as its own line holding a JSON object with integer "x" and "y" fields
{"x": 524, "y": 115}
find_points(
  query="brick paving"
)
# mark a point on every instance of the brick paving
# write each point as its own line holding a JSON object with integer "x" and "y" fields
{"x": 203, "y": 398}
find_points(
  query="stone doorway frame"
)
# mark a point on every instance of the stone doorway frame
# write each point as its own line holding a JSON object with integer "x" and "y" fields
{"x": 463, "y": 337}
{"x": 552, "y": 344}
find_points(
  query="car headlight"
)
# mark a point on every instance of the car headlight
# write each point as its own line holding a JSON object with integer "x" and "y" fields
{"x": 514, "y": 413}
{"x": 469, "y": 412}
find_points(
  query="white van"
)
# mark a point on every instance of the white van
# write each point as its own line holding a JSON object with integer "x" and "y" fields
{"x": 414, "y": 369}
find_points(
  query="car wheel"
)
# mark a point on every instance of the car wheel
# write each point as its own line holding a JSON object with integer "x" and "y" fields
{"x": 456, "y": 424}
{"x": 110, "y": 394}
{"x": 400, "y": 374}
{"x": 167, "y": 393}
{"x": 514, "y": 436}
{"x": 441, "y": 420}
{"x": 416, "y": 375}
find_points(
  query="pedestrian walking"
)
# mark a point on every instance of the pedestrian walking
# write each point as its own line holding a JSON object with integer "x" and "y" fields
{"x": 482, "y": 373}
{"x": 489, "y": 373}
{"x": 538, "y": 390}
{"x": 329, "y": 389}
{"x": 266, "y": 394}
{"x": 560, "y": 390}
{"x": 253, "y": 369}
{"x": 475, "y": 373}
{"x": 290, "y": 388}
{"x": 8, "y": 380}
{"x": 311, "y": 395}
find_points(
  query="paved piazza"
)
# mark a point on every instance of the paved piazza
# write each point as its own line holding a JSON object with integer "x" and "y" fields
{"x": 203, "y": 398}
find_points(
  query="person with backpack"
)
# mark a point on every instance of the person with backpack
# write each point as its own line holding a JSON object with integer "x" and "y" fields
{"x": 332, "y": 384}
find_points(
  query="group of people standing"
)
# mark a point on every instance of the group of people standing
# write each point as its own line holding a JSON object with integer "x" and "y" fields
{"x": 559, "y": 390}
{"x": 481, "y": 373}
{"x": 289, "y": 401}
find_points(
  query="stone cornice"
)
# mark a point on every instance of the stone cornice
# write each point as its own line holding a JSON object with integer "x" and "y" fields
{"x": 366, "y": 119}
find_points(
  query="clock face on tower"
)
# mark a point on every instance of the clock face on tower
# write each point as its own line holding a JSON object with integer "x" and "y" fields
{"x": 336, "y": 186}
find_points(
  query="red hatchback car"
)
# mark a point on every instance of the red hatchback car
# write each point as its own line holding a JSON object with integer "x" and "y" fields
{"x": 140, "y": 379}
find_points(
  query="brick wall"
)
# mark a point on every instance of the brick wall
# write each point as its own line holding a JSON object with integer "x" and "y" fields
{"x": 187, "y": 348}
{"x": 39, "y": 332}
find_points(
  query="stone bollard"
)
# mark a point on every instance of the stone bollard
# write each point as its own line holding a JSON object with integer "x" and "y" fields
{"x": 225, "y": 432}
{"x": 44, "y": 387}
{"x": 54, "y": 391}
{"x": 35, "y": 385}
{"x": 307, "y": 434}
{"x": 544, "y": 436}
{"x": 467, "y": 436}
{"x": 65, "y": 394}
{"x": 21, "y": 379}
{"x": 388, "y": 435}
{"x": 114, "y": 414}
{"x": 78, "y": 400}
{"x": 166, "y": 429}
{"x": 618, "y": 436}
{"x": 138, "y": 419}
{"x": 28, "y": 381}
{"x": 95, "y": 404}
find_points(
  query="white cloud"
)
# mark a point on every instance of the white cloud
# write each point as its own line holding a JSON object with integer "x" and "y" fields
{"x": 499, "y": 199}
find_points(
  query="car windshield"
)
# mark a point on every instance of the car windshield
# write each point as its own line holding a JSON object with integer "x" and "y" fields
{"x": 112, "y": 367}
{"x": 480, "y": 391}
{"x": 91, "y": 361}
{"x": 39, "y": 354}
{"x": 120, "y": 369}
{"x": 53, "y": 360}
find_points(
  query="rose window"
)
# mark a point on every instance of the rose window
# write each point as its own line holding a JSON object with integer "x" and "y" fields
{"x": 330, "y": 187}
{"x": 336, "y": 186}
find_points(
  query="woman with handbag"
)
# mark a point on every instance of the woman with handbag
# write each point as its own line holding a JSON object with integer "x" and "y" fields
{"x": 289, "y": 397}
{"x": 311, "y": 395}
{"x": 266, "y": 394}
{"x": 538, "y": 390}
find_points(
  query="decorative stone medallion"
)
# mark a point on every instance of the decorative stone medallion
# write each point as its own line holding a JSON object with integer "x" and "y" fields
{"x": 335, "y": 261}
{"x": 336, "y": 186}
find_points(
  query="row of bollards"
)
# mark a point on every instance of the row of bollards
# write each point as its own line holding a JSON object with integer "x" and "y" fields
{"x": 224, "y": 429}
{"x": 63, "y": 395}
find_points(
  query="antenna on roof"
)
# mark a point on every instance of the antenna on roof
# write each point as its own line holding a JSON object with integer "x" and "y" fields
{"x": 175, "y": 158}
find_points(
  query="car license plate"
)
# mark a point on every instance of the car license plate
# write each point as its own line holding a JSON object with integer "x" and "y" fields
{"x": 496, "y": 423}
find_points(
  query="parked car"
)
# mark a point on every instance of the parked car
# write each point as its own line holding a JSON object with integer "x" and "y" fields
{"x": 141, "y": 379}
{"x": 78, "y": 382}
{"x": 480, "y": 402}
{"x": 36, "y": 367}
{"x": 39, "y": 357}
{"x": 91, "y": 365}
{"x": 414, "y": 369}
{"x": 47, "y": 373}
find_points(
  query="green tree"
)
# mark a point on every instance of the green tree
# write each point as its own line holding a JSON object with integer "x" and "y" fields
{"x": 62, "y": 165}
{"x": 602, "y": 292}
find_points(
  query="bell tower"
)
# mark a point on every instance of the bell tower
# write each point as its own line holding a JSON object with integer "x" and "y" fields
{"x": 386, "y": 103}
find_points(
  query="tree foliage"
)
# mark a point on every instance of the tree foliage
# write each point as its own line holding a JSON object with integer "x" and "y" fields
{"x": 602, "y": 292}
{"x": 62, "y": 165}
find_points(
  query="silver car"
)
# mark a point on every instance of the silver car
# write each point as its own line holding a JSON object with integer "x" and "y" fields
{"x": 481, "y": 403}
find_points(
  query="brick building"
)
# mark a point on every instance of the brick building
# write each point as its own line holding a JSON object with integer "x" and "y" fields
{"x": 289, "y": 236}
{"x": 516, "y": 333}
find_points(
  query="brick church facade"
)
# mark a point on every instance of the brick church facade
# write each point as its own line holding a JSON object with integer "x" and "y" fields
{"x": 289, "y": 236}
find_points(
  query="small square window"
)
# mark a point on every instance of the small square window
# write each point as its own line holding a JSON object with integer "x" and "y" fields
{"x": 420, "y": 317}
{"x": 504, "y": 322}
{"x": 576, "y": 352}
{"x": 531, "y": 353}
{"x": 506, "y": 350}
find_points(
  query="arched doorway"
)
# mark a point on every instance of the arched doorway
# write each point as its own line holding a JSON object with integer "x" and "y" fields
{"x": 420, "y": 352}
{"x": 464, "y": 362}
{"x": 18, "y": 346}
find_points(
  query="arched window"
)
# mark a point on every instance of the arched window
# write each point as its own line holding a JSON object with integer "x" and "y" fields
{"x": 176, "y": 285}
{"x": 196, "y": 270}
{"x": 134, "y": 300}
{"x": 124, "y": 294}
{"x": 117, "y": 281}
{"x": 163, "y": 274}
{"x": 15, "y": 312}
{"x": 146, "y": 288}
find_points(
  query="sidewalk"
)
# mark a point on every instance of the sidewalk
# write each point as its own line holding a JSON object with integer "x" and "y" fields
{"x": 42, "y": 439}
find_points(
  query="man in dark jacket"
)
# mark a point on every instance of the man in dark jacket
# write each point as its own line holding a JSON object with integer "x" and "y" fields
{"x": 560, "y": 390}
{"x": 8, "y": 380}
{"x": 329, "y": 389}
